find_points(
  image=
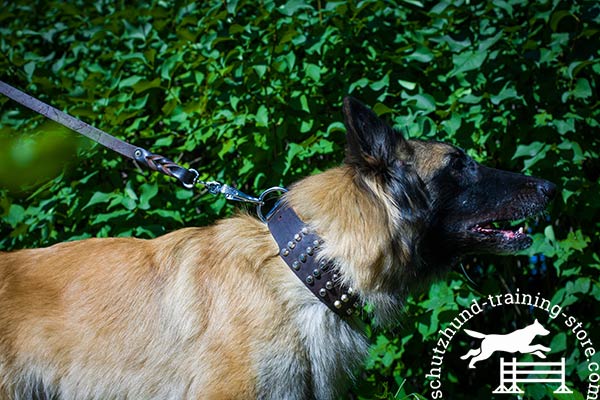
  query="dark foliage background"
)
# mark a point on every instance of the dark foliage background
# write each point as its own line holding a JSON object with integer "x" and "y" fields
{"x": 249, "y": 92}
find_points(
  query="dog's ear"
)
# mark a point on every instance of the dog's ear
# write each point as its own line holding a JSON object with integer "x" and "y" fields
{"x": 375, "y": 148}
{"x": 372, "y": 144}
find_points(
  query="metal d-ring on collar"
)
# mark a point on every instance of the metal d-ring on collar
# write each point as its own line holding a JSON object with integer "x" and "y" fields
{"x": 299, "y": 248}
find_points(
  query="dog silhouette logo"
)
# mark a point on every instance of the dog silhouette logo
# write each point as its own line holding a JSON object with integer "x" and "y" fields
{"x": 518, "y": 341}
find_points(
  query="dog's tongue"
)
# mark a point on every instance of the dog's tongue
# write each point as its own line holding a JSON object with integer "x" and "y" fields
{"x": 508, "y": 234}
{"x": 513, "y": 234}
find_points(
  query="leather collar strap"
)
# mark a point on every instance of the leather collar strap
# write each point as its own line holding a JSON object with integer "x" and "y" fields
{"x": 299, "y": 248}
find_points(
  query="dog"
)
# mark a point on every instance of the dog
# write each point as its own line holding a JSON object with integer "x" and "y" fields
{"x": 218, "y": 312}
{"x": 517, "y": 341}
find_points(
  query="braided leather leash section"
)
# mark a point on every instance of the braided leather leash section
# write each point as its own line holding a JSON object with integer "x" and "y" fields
{"x": 299, "y": 248}
{"x": 156, "y": 162}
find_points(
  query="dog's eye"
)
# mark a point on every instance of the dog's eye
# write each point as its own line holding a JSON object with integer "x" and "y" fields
{"x": 457, "y": 164}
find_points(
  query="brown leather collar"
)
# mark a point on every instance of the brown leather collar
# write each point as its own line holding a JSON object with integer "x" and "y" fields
{"x": 299, "y": 248}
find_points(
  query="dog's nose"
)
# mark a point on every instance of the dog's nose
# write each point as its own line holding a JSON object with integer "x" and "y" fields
{"x": 548, "y": 189}
{"x": 545, "y": 188}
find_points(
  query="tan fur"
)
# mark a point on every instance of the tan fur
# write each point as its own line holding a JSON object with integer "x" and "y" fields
{"x": 325, "y": 197}
{"x": 429, "y": 157}
{"x": 186, "y": 315}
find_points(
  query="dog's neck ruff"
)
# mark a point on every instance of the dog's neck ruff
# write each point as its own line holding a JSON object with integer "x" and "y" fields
{"x": 299, "y": 248}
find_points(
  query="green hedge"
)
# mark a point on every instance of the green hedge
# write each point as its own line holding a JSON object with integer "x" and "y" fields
{"x": 249, "y": 92}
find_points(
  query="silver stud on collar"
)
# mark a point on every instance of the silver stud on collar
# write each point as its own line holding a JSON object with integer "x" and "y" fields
{"x": 310, "y": 251}
{"x": 322, "y": 292}
{"x": 328, "y": 285}
{"x": 337, "y": 304}
{"x": 297, "y": 237}
{"x": 285, "y": 252}
{"x": 345, "y": 298}
{"x": 302, "y": 257}
{"x": 310, "y": 280}
{"x": 296, "y": 265}
{"x": 323, "y": 265}
{"x": 291, "y": 245}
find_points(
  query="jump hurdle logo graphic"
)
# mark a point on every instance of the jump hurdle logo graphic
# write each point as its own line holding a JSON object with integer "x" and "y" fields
{"x": 518, "y": 341}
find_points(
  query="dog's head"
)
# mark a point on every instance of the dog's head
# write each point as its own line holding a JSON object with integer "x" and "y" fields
{"x": 447, "y": 204}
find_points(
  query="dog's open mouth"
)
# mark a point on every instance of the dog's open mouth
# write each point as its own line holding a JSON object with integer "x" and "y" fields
{"x": 502, "y": 235}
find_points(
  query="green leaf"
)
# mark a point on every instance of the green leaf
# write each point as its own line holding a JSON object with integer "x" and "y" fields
{"x": 128, "y": 203}
{"x": 168, "y": 67}
{"x": 148, "y": 192}
{"x": 97, "y": 198}
{"x": 549, "y": 233}
{"x": 564, "y": 126}
{"x": 414, "y": 3}
{"x": 381, "y": 109}
{"x": 232, "y": 6}
{"x": 453, "y": 124}
{"x": 361, "y": 83}
{"x": 507, "y": 92}
{"x": 183, "y": 194}
{"x": 129, "y": 82}
{"x": 313, "y": 71}
{"x": 167, "y": 214}
{"x": 106, "y": 217}
{"x": 381, "y": 84}
{"x": 536, "y": 151}
{"x": 164, "y": 142}
{"x": 304, "y": 104}
{"x": 260, "y": 70}
{"x": 557, "y": 17}
{"x": 144, "y": 85}
{"x": 29, "y": 69}
{"x": 293, "y": 6}
{"x": 582, "y": 89}
{"x": 262, "y": 116}
{"x": 16, "y": 214}
{"x": 467, "y": 61}
{"x": 422, "y": 101}
{"x": 407, "y": 85}
{"x": 422, "y": 54}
